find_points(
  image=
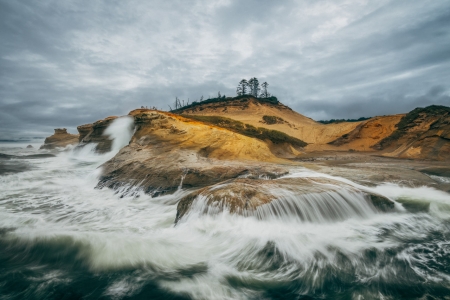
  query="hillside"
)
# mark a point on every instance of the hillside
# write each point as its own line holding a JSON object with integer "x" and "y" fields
{"x": 423, "y": 133}
{"x": 274, "y": 116}
{"x": 368, "y": 133}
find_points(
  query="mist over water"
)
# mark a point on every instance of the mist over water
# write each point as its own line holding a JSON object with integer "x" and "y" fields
{"x": 60, "y": 238}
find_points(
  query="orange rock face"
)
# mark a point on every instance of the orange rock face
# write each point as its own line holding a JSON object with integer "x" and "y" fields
{"x": 93, "y": 133}
{"x": 61, "y": 138}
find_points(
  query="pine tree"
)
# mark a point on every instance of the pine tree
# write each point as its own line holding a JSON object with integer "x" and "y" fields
{"x": 242, "y": 88}
{"x": 264, "y": 93}
{"x": 254, "y": 87}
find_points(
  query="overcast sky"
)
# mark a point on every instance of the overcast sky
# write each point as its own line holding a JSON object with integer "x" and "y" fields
{"x": 66, "y": 63}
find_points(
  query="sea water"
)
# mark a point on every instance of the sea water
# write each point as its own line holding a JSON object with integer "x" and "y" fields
{"x": 61, "y": 238}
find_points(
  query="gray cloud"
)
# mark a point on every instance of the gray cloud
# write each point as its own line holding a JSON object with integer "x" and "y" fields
{"x": 65, "y": 63}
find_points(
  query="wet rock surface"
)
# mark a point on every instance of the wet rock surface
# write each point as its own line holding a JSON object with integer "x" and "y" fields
{"x": 94, "y": 133}
{"x": 303, "y": 197}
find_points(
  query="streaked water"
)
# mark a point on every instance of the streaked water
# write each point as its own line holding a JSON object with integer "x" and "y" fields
{"x": 60, "y": 238}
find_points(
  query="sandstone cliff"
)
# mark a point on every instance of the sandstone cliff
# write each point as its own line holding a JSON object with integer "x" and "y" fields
{"x": 61, "y": 138}
{"x": 368, "y": 133}
{"x": 168, "y": 151}
{"x": 420, "y": 134}
{"x": 94, "y": 133}
{"x": 423, "y": 133}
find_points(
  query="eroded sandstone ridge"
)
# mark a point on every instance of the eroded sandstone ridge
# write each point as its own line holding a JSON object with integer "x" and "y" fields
{"x": 423, "y": 133}
{"x": 61, "y": 138}
{"x": 168, "y": 151}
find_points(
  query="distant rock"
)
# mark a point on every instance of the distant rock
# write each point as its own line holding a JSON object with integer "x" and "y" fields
{"x": 29, "y": 147}
{"x": 61, "y": 138}
{"x": 93, "y": 133}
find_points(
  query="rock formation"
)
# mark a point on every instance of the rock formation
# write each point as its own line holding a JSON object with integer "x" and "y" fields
{"x": 168, "y": 151}
{"x": 423, "y": 133}
{"x": 61, "y": 138}
{"x": 367, "y": 133}
{"x": 231, "y": 155}
{"x": 229, "y": 170}
{"x": 93, "y": 133}
{"x": 307, "y": 198}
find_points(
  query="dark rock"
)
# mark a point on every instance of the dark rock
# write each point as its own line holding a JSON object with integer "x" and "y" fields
{"x": 382, "y": 203}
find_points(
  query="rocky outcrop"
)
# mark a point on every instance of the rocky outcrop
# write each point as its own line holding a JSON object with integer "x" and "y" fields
{"x": 60, "y": 139}
{"x": 168, "y": 151}
{"x": 367, "y": 133}
{"x": 307, "y": 198}
{"x": 424, "y": 133}
{"x": 93, "y": 133}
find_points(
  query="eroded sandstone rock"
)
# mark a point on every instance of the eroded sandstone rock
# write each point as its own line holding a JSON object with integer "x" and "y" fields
{"x": 94, "y": 133}
{"x": 167, "y": 152}
{"x": 61, "y": 138}
{"x": 423, "y": 133}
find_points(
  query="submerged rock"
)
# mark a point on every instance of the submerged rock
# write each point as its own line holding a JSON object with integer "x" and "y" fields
{"x": 29, "y": 147}
{"x": 310, "y": 199}
{"x": 61, "y": 138}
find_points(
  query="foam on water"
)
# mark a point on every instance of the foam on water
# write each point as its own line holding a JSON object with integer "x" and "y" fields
{"x": 58, "y": 233}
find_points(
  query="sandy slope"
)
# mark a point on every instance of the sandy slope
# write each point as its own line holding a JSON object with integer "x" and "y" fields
{"x": 368, "y": 133}
{"x": 251, "y": 112}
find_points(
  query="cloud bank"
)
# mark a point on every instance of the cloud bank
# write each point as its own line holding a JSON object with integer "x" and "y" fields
{"x": 66, "y": 63}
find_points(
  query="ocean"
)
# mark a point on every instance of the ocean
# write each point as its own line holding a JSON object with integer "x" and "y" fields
{"x": 61, "y": 238}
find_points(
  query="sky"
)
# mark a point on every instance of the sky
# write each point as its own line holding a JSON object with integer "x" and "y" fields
{"x": 67, "y": 63}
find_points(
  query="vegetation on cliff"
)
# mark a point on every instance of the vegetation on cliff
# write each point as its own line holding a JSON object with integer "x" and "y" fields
{"x": 245, "y": 89}
{"x": 271, "y": 120}
{"x": 270, "y": 100}
{"x": 275, "y": 136}
{"x": 342, "y": 120}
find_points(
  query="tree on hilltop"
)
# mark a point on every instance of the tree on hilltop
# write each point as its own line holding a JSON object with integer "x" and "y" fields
{"x": 242, "y": 87}
{"x": 253, "y": 83}
{"x": 264, "y": 93}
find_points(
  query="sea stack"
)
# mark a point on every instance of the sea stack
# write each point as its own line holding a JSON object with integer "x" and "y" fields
{"x": 60, "y": 139}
